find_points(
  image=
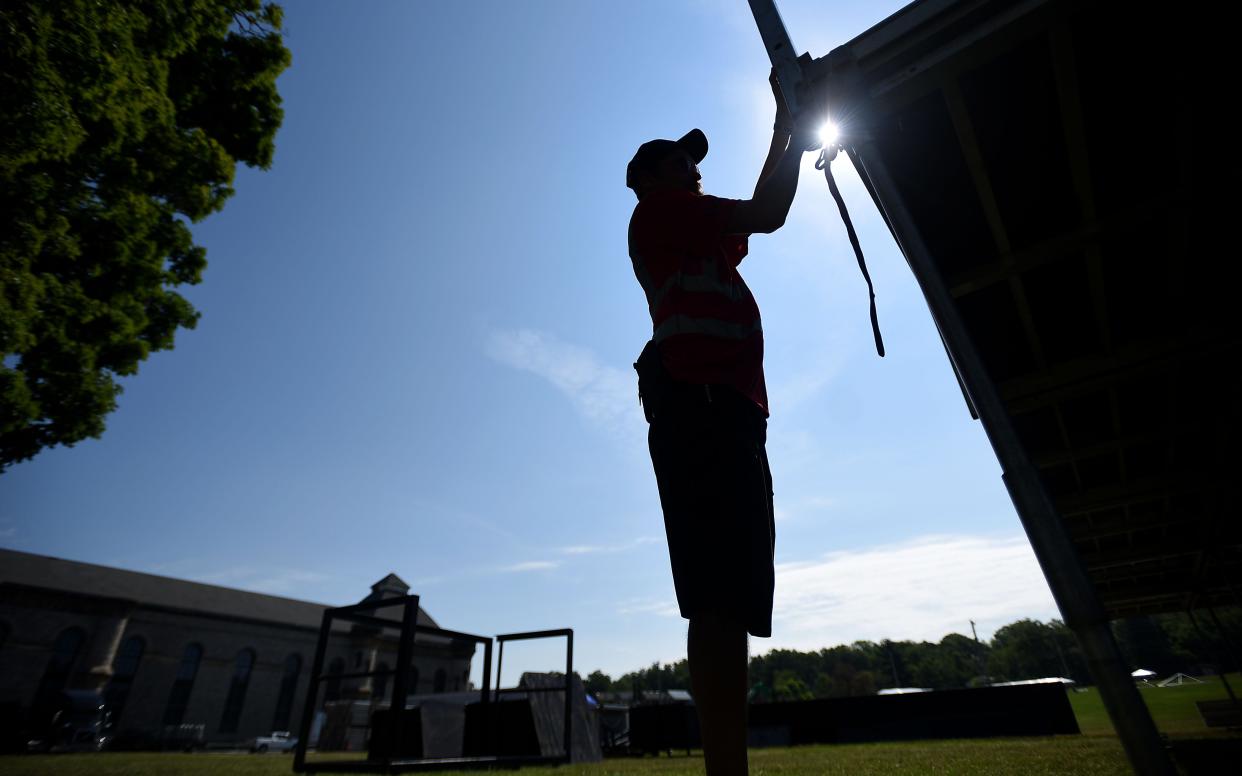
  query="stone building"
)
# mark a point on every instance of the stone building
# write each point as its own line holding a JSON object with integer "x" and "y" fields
{"x": 167, "y": 651}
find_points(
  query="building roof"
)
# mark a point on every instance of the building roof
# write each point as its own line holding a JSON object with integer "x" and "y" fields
{"x": 902, "y": 690}
{"x": 1065, "y": 167}
{"x": 68, "y": 576}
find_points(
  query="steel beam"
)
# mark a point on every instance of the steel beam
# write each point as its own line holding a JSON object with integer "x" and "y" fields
{"x": 312, "y": 693}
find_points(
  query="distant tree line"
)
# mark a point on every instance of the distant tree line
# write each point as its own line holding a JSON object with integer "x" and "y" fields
{"x": 1026, "y": 649}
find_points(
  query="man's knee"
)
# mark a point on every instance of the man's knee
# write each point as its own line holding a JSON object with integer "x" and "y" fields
{"x": 717, "y": 632}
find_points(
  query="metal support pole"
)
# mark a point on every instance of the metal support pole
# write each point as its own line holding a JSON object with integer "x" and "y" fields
{"x": 1070, "y": 585}
{"x": 569, "y": 696}
{"x": 1229, "y": 648}
{"x": 780, "y": 50}
{"x": 486, "y": 695}
{"x": 1220, "y": 669}
{"x": 500, "y": 662}
{"x": 312, "y": 694}
{"x": 400, "y": 690}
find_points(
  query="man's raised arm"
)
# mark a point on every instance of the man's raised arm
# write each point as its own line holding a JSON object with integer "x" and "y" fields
{"x": 766, "y": 210}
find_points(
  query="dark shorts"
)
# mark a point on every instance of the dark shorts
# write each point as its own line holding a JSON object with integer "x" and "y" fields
{"x": 716, "y": 491}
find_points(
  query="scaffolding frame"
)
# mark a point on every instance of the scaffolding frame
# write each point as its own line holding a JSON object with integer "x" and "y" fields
{"x": 409, "y": 628}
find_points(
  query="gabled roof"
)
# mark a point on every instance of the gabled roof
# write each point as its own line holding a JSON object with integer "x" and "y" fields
{"x": 391, "y": 582}
{"x": 86, "y": 579}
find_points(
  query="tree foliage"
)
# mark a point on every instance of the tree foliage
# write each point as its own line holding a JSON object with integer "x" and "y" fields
{"x": 1026, "y": 649}
{"x": 120, "y": 123}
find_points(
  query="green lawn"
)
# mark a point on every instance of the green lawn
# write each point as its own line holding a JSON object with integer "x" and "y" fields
{"x": 1096, "y": 752}
{"x": 1068, "y": 754}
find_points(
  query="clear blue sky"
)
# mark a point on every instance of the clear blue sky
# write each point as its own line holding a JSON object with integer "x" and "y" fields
{"x": 417, "y": 333}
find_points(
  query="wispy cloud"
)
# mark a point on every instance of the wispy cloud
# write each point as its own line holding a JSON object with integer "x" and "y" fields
{"x": 663, "y": 607}
{"x": 604, "y": 395}
{"x": 588, "y": 549}
{"x": 812, "y": 505}
{"x": 817, "y": 365}
{"x": 273, "y": 580}
{"x": 548, "y": 565}
{"x": 8, "y": 533}
{"x": 530, "y": 565}
{"x": 921, "y": 590}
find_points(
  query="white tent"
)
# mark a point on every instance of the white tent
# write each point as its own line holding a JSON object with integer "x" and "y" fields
{"x": 1179, "y": 679}
{"x": 1142, "y": 673}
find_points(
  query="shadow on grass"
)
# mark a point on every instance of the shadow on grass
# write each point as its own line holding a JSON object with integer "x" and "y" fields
{"x": 1207, "y": 756}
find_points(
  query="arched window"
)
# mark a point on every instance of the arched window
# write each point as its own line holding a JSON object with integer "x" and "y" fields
{"x": 179, "y": 696}
{"x": 332, "y": 688}
{"x": 411, "y": 682}
{"x": 381, "y": 683}
{"x": 288, "y": 686}
{"x": 242, "y": 668}
{"x": 65, "y": 652}
{"x": 441, "y": 678}
{"x": 124, "y": 666}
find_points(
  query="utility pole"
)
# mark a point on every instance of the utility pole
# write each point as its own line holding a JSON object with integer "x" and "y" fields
{"x": 1056, "y": 642}
{"x": 892, "y": 661}
{"x": 978, "y": 652}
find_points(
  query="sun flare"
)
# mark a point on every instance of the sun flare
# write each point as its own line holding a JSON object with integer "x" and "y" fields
{"x": 828, "y": 133}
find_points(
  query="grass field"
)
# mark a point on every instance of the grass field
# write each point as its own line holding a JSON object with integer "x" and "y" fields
{"x": 1097, "y": 751}
{"x": 1077, "y": 754}
{"x": 1172, "y": 708}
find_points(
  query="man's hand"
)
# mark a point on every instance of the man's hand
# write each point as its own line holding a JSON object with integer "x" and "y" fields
{"x": 784, "y": 120}
{"x": 765, "y": 212}
{"x": 803, "y": 136}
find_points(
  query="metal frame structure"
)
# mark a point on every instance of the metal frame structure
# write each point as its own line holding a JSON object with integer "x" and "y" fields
{"x": 568, "y": 633}
{"x": 409, "y": 629}
{"x": 1110, "y": 546}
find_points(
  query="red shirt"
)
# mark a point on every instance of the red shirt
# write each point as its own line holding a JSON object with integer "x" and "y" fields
{"x": 703, "y": 316}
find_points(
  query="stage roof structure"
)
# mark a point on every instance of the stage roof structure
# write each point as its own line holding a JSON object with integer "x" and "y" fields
{"x": 1060, "y": 177}
{"x": 1066, "y": 167}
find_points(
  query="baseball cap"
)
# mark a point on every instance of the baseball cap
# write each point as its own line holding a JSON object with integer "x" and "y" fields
{"x": 651, "y": 153}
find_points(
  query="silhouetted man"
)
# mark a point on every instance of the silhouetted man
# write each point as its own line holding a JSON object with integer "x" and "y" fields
{"x": 701, "y": 382}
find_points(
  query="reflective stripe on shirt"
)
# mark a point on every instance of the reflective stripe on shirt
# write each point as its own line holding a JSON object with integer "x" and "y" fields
{"x": 705, "y": 283}
{"x": 685, "y": 324}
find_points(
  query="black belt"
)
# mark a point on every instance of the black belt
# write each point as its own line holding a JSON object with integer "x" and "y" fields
{"x": 717, "y": 396}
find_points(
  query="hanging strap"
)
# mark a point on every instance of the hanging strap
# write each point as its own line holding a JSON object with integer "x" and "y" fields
{"x": 825, "y": 163}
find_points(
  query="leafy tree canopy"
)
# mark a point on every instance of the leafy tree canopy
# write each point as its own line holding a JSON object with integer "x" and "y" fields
{"x": 120, "y": 123}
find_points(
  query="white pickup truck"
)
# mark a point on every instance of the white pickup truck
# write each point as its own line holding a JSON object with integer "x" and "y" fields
{"x": 278, "y": 741}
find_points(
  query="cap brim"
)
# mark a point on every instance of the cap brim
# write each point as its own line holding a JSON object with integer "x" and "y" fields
{"x": 694, "y": 143}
